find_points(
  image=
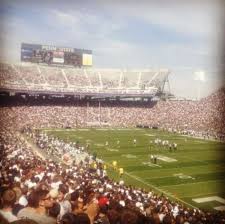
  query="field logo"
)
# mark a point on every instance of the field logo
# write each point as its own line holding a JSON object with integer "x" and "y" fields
{"x": 212, "y": 198}
{"x": 129, "y": 156}
{"x": 183, "y": 176}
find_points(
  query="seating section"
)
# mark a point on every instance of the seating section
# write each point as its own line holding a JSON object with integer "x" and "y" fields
{"x": 25, "y": 76}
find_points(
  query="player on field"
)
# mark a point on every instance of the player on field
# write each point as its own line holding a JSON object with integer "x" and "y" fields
{"x": 114, "y": 163}
{"x": 121, "y": 172}
{"x": 118, "y": 143}
{"x": 155, "y": 160}
{"x": 151, "y": 158}
{"x": 174, "y": 146}
{"x": 135, "y": 142}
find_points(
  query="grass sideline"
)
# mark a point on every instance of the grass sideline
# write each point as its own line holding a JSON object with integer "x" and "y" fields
{"x": 197, "y": 168}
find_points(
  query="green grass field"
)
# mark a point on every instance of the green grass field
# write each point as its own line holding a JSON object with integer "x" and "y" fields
{"x": 195, "y": 170}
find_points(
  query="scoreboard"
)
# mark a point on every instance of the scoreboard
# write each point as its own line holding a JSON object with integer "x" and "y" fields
{"x": 50, "y": 54}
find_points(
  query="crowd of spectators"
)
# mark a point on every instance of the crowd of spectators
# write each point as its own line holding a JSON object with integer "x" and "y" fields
{"x": 39, "y": 189}
{"x": 204, "y": 117}
{"x": 53, "y": 146}
{"x": 45, "y": 191}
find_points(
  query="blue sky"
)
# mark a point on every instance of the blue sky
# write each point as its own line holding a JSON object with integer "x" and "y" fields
{"x": 183, "y": 37}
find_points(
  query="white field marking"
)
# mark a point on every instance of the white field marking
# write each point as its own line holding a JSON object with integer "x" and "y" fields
{"x": 200, "y": 142}
{"x": 99, "y": 144}
{"x": 190, "y": 183}
{"x": 102, "y": 129}
{"x": 196, "y": 160}
{"x": 151, "y": 164}
{"x": 129, "y": 156}
{"x": 212, "y": 198}
{"x": 151, "y": 178}
{"x": 220, "y": 208}
{"x": 89, "y": 140}
{"x": 165, "y": 158}
{"x": 201, "y": 195}
{"x": 79, "y": 137}
{"x": 127, "y": 129}
{"x": 113, "y": 150}
{"x": 160, "y": 190}
{"x": 180, "y": 175}
{"x": 172, "y": 169}
{"x": 83, "y": 129}
{"x": 183, "y": 176}
{"x": 149, "y": 135}
{"x": 207, "y": 199}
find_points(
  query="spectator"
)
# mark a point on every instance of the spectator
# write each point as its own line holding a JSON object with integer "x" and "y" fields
{"x": 8, "y": 201}
{"x": 38, "y": 203}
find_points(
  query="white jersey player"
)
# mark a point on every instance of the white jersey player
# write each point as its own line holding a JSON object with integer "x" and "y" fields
{"x": 135, "y": 142}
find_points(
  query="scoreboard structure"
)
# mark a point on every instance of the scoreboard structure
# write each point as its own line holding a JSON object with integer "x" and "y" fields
{"x": 50, "y": 54}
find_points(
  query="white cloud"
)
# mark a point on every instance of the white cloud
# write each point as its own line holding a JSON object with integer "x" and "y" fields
{"x": 64, "y": 19}
{"x": 190, "y": 18}
{"x": 99, "y": 29}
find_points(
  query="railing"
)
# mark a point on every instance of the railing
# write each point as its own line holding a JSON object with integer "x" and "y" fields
{"x": 61, "y": 89}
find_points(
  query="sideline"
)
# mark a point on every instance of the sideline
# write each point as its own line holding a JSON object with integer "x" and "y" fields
{"x": 38, "y": 152}
{"x": 156, "y": 188}
{"x": 160, "y": 190}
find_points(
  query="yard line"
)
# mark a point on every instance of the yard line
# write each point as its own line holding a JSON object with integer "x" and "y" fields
{"x": 192, "y": 183}
{"x": 152, "y": 178}
{"x": 196, "y": 160}
{"x": 175, "y": 169}
{"x": 165, "y": 192}
{"x": 203, "y": 195}
{"x": 160, "y": 190}
{"x": 188, "y": 174}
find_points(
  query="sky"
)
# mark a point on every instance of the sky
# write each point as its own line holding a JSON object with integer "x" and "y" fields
{"x": 183, "y": 36}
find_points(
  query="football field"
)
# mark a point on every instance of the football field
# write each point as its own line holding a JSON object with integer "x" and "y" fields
{"x": 193, "y": 174}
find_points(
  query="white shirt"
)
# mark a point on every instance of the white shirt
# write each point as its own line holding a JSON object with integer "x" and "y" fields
{"x": 8, "y": 216}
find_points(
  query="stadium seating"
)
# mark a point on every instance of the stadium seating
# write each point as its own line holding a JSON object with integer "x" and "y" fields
{"x": 25, "y": 76}
{"x": 204, "y": 116}
{"x": 40, "y": 168}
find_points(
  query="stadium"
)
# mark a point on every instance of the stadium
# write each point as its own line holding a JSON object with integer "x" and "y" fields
{"x": 63, "y": 115}
{"x": 87, "y": 145}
